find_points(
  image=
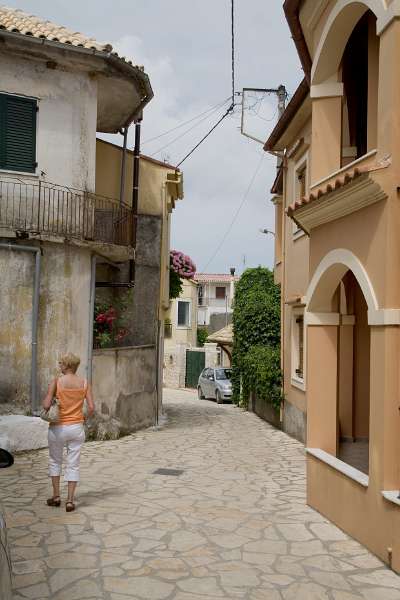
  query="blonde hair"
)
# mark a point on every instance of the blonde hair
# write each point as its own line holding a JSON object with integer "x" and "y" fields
{"x": 70, "y": 361}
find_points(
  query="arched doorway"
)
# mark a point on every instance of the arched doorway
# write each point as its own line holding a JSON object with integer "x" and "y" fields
{"x": 339, "y": 302}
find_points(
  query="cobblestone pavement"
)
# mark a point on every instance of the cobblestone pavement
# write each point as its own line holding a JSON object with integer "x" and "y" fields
{"x": 233, "y": 525}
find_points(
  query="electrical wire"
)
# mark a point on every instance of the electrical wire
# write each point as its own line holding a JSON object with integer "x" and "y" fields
{"x": 213, "y": 108}
{"x": 235, "y": 216}
{"x": 181, "y": 135}
{"x": 232, "y": 106}
{"x": 228, "y": 112}
{"x": 233, "y": 50}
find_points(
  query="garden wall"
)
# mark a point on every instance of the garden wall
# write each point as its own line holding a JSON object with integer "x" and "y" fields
{"x": 264, "y": 410}
{"x": 125, "y": 385}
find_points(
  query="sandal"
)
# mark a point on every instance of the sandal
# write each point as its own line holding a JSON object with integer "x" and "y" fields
{"x": 69, "y": 506}
{"x": 54, "y": 501}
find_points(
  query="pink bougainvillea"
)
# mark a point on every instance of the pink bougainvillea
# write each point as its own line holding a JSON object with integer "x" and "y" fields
{"x": 182, "y": 264}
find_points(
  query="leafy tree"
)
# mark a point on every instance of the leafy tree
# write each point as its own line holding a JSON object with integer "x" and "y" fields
{"x": 256, "y": 348}
{"x": 202, "y": 335}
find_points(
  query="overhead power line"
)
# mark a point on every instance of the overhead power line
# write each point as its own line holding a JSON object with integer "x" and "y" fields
{"x": 181, "y": 135}
{"x": 235, "y": 216}
{"x": 232, "y": 106}
{"x": 230, "y": 109}
{"x": 210, "y": 110}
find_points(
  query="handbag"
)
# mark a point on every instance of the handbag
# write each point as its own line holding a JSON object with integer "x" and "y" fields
{"x": 52, "y": 414}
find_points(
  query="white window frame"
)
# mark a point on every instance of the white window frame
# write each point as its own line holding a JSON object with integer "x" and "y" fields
{"x": 302, "y": 163}
{"x": 296, "y": 381}
{"x": 188, "y": 301}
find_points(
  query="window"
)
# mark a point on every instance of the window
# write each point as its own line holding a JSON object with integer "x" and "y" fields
{"x": 220, "y": 293}
{"x": 183, "y": 313}
{"x": 360, "y": 73}
{"x": 302, "y": 184}
{"x": 298, "y": 348}
{"x": 17, "y": 133}
{"x": 300, "y": 187}
{"x": 200, "y": 295}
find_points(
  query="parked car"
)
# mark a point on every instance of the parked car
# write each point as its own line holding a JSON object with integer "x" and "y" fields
{"x": 6, "y": 460}
{"x": 215, "y": 383}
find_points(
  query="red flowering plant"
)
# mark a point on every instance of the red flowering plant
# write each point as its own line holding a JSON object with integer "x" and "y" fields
{"x": 109, "y": 327}
{"x": 181, "y": 267}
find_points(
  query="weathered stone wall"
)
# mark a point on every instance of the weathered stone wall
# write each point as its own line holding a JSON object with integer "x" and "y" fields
{"x": 124, "y": 385}
{"x": 63, "y": 316}
{"x": 146, "y": 296}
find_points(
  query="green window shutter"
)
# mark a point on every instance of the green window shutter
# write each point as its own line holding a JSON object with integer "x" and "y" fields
{"x": 17, "y": 133}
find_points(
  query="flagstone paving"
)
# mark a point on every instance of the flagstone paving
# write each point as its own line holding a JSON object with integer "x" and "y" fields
{"x": 233, "y": 525}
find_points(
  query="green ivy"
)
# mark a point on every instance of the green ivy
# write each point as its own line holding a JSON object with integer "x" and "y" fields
{"x": 175, "y": 285}
{"x": 256, "y": 348}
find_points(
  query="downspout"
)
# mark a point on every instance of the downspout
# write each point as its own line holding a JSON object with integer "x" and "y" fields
{"x": 35, "y": 315}
{"x": 92, "y": 296}
{"x": 124, "y": 132}
{"x": 135, "y": 196}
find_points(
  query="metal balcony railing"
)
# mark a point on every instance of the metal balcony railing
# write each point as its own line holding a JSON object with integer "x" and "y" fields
{"x": 45, "y": 208}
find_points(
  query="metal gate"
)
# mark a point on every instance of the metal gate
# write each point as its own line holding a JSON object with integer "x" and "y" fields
{"x": 195, "y": 362}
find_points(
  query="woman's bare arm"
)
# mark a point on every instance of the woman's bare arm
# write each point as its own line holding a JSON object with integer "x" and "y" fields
{"x": 89, "y": 400}
{"x": 51, "y": 392}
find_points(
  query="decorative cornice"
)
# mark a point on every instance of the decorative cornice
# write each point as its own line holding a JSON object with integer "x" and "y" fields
{"x": 358, "y": 193}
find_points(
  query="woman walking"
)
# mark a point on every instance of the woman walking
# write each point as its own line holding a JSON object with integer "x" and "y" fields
{"x": 68, "y": 431}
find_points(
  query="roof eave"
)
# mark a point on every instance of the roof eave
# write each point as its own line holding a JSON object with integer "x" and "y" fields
{"x": 287, "y": 117}
{"x": 291, "y": 9}
{"x": 131, "y": 71}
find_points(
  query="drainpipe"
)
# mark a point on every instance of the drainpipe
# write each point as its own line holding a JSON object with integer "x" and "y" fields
{"x": 124, "y": 132}
{"x": 135, "y": 195}
{"x": 35, "y": 315}
{"x": 89, "y": 368}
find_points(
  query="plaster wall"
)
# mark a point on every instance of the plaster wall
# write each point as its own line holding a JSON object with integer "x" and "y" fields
{"x": 124, "y": 385}
{"x": 183, "y": 335}
{"x": 66, "y": 124}
{"x": 295, "y": 278}
{"x": 63, "y": 316}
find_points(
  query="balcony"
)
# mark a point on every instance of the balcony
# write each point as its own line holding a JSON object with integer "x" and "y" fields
{"x": 46, "y": 209}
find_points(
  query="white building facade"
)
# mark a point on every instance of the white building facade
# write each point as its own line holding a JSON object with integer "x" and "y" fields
{"x": 215, "y": 296}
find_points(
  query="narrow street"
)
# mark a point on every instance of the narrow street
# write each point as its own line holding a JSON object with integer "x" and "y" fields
{"x": 233, "y": 524}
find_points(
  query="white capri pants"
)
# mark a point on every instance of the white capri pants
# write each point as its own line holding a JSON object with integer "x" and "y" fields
{"x": 72, "y": 437}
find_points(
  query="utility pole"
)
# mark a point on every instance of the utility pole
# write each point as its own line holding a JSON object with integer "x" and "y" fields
{"x": 281, "y": 94}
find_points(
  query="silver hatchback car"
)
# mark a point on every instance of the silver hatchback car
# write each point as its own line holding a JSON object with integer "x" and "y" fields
{"x": 215, "y": 383}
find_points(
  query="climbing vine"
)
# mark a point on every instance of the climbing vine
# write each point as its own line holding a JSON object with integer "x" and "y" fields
{"x": 256, "y": 349}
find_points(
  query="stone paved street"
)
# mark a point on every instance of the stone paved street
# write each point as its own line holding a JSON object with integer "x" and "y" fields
{"x": 233, "y": 525}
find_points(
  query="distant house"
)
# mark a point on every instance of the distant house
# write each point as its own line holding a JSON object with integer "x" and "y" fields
{"x": 215, "y": 297}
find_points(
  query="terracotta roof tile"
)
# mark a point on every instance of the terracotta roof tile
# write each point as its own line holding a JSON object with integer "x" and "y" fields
{"x": 17, "y": 21}
{"x": 345, "y": 179}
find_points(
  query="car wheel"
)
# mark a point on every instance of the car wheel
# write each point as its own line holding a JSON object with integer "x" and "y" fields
{"x": 200, "y": 393}
{"x": 218, "y": 397}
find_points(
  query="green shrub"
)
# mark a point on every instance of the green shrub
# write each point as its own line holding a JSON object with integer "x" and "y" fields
{"x": 175, "y": 285}
{"x": 256, "y": 328}
{"x": 202, "y": 335}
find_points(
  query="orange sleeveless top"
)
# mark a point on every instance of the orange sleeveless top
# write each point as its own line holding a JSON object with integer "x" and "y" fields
{"x": 70, "y": 404}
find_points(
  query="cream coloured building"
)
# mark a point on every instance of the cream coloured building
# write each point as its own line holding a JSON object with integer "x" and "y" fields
{"x": 337, "y": 248}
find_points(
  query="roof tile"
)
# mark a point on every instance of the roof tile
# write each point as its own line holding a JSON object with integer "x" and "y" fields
{"x": 17, "y": 21}
{"x": 327, "y": 189}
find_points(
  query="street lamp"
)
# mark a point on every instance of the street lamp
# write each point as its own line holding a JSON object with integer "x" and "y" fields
{"x": 266, "y": 231}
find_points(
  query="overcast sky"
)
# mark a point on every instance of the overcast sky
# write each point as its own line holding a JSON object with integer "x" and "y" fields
{"x": 185, "y": 47}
